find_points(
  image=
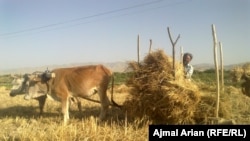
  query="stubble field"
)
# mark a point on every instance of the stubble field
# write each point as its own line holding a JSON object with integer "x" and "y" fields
{"x": 20, "y": 119}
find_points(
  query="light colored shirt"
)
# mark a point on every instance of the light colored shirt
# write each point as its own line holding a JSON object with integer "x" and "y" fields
{"x": 188, "y": 69}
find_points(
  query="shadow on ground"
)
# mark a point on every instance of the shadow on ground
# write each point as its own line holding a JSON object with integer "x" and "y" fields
{"x": 114, "y": 114}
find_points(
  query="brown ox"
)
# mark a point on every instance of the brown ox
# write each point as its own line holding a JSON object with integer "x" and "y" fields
{"x": 20, "y": 86}
{"x": 63, "y": 83}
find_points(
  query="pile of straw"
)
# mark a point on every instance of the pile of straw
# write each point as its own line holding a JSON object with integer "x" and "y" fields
{"x": 207, "y": 107}
{"x": 157, "y": 95}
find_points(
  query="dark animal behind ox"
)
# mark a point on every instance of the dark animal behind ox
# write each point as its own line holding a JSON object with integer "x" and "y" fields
{"x": 245, "y": 86}
{"x": 242, "y": 74}
{"x": 84, "y": 81}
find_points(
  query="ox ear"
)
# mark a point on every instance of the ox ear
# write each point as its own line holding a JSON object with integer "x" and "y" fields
{"x": 53, "y": 75}
{"x": 50, "y": 75}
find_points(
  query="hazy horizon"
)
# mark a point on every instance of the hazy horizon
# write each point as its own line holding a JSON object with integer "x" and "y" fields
{"x": 94, "y": 63}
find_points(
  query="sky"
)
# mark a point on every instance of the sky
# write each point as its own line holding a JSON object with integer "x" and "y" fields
{"x": 36, "y": 33}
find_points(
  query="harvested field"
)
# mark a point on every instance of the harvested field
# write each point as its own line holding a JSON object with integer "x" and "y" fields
{"x": 150, "y": 96}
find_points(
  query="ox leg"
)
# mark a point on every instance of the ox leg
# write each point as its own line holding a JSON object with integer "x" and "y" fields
{"x": 75, "y": 100}
{"x": 104, "y": 104}
{"x": 65, "y": 110}
{"x": 79, "y": 104}
{"x": 41, "y": 101}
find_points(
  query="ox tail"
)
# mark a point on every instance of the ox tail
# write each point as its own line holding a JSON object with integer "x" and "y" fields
{"x": 112, "y": 91}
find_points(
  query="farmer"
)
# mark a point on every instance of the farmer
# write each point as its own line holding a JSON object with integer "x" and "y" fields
{"x": 188, "y": 68}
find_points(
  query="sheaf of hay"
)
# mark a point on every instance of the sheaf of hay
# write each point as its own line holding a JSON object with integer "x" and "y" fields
{"x": 207, "y": 108}
{"x": 156, "y": 94}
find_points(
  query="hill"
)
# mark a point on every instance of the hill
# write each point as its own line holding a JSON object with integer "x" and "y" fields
{"x": 206, "y": 66}
{"x": 114, "y": 66}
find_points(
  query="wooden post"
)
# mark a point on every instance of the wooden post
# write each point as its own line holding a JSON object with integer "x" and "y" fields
{"x": 138, "y": 49}
{"x": 181, "y": 57}
{"x": 216, "y": 71}
{"x": 221, "y": 67}
{"x": 150, "y": 45}
{"x": 173, "y": 45}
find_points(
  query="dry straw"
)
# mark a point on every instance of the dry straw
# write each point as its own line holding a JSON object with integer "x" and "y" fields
{"x": 156, "y": 95}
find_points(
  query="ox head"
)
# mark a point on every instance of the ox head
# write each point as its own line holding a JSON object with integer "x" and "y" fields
{"x": 19, "y": 85}
{"x": 38, "y": 85}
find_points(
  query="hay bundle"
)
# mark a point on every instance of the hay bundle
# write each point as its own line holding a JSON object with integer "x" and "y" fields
{"x": 156, "y": 95}
{"x": 206, "y": 108}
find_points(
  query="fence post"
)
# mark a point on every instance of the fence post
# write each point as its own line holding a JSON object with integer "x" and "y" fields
{"x": 150, "y": 45}
{"x": 221, "y": 67}
{"x": 138, "y": 49}
{"x": 173, "y": 45}
{"x": 181, "y": 57}
{"x": 216, "y": 71}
